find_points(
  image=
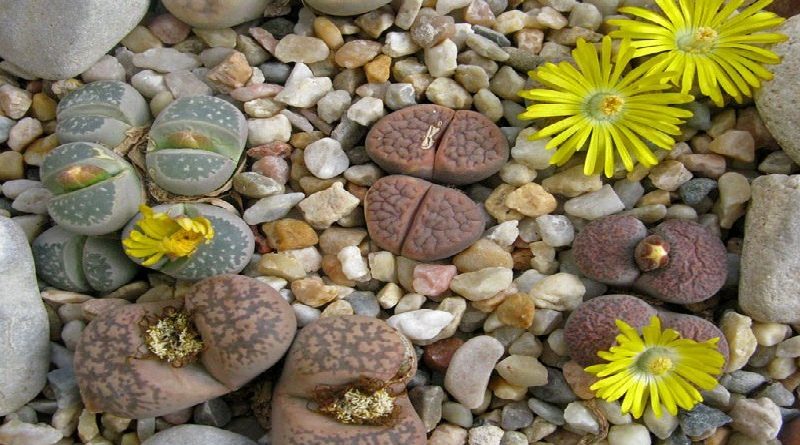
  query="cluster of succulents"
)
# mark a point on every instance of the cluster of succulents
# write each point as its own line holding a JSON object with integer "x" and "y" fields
{"x": 679, "y": 262}
{"x": 332, "y": 393}
{"x": 150, "y": 359}
{"x": 195, "y": 145}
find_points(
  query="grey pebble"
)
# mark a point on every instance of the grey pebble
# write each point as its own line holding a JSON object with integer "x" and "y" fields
{"x": 702, "y": 419}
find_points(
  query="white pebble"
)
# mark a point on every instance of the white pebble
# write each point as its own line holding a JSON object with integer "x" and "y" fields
{"x": 325, "y": 158}
{"x": 632, "y": 434}
{"x": 504, "y": 234}
{"x": 555, "y": 230}
{"x": 333, "y": 105}
{"x": 560, "y": 292}
{"x": 302, "y": 89}
{"x": 33, "y": 200}
{"x": 366, "y": 111}
{"x": 149, "y": 83}
{"x": 580, "y": 420}
{"x": 272, "y": 129}
{"x": 595, "y": 205}
{"x": 441, "y": 59}
{"x": 353, "y": 265}
{"x": 422, "y": 324}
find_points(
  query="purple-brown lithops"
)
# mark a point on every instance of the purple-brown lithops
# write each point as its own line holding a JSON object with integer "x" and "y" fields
{"x": 344, "y": 384}
{"x": 420, "y": 220}
{"x": 150, "y": 359}
{"x": 591, "y": 327}
{"x": 436, "y": 143}
{"x": 679, "y": 262}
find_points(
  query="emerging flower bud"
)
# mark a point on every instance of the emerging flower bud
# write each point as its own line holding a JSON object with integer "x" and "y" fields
{"x": 651, "y": 253}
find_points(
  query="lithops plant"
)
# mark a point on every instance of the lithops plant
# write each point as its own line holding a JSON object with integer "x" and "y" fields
{"x": 189, "y": 241}
{"x": 678, "y": 262}
{"x": 150, "y": 359}
{"x": 591, "y": 327}
{"x": 344, "y": 384}
{"x": 101, "y": 112}
{"x": 195, "y": 145}
{"x": 436, "y": 143}
{"x": 95, "y": 191}
{"x": 419, "y": 220}
{"x": 79, "y": 263}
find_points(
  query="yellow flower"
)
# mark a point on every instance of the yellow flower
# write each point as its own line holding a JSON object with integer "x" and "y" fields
{"x": 598, "y": 102}
{"x": 161, "y": 234}
{"x": 705, "y": 40}
{"x": 662, "y": 367}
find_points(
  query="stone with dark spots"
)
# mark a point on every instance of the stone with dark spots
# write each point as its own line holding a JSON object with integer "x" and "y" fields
{"x": 697, "y": 266}
{"x": 245, "y": 327}
{"x": 604, "y": 249}
{"x": 338, "y": 351}
{"x": 591, "y": 327}
{"x": 419, "y": 220}
{"x": 437, "y": 143}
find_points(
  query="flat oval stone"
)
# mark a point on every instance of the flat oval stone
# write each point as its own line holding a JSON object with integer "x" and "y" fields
{"x": 435, "y": 142}
{"x": 472, "y": 364}
{"x": 216, "y": 14}
{"x": 195, "y": 434}
{"x": 419, "y": 220}
{"x": 25, "y": 348}
{"x": 345, "y": 7}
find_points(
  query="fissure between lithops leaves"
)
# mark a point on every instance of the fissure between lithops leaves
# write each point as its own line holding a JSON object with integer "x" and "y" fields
{"x": 172, "y": 337}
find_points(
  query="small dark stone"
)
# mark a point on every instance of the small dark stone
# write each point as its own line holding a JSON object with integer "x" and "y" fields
{"x": 694, "y": 191}
{"x": 427, "y": 401}
{"x": 421, "y": 378}
{"x": 548, "y": 412}
{"x": 778, "y": 394}
{"x": 515, "y": 416}
{"x": 701, "y": 116}
{"x": 677, "y": 438}
{"x": 556, "y": 390}
{"x": 279, "y": 27}
{"x": 214, "y": 412}
{"x": 702, "y": 419}
{"x": 357, "y": 155}
{"x": 492, "y": 35}
{"x": 275, "y": 72}
{"x": 348, "y": 133}
{"x": 437, "y": 355}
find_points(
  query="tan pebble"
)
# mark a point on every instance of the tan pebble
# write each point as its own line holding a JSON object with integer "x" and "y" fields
{"x": 326, "y": 30}
{"x": 735, "y": 144}
{"x": 87, "y": 426}
{"x": 655, "y": 197}
{"x": 356, "y": 53}
{"x": 231, "y": 73}
{"x": 704, "y": 165}
{"x": 572, "y": 182}
{"x": 313, "y": 292}
{"x": 490, "y": 304}
{"x": 481, "y": 254}
{"x": 43, "y": 107}
{"x": 288, "y": 234}
{"x": 378, "y": 69}
{"x": 496, "y": 206}
{"x": 579, "y": 380}
{"x": 281, "y": 265}
{"x": 333, "y": 270}
{"x": 531, "y": 200}
{"x": 741, "y": 340}
{"x": 37, "y": 150}
{"x": 337, "y": 308}
{"x": 517, "y": 310}
{"x": 502, "y": 389}
{"x": 140, "y": 39}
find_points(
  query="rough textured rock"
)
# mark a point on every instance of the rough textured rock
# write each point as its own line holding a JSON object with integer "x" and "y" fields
{"x": 66, "y": 37}
{"x": 197, "y": 434}
{"x": 245, "y": 326}
{"x": 768, "y": 285}
{"x": 24, "y": 343}
{"x": 419, "y": 220}
{"x": 435, "y": 142}
{"x": 777, "y": 98}
{"x": 338, "y": 351}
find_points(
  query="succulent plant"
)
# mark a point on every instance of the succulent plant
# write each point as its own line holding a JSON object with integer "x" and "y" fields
{"x": 419, "y": 220}
{"x": 101, "y": 112}
{"x": 226, "y": 249}
{"x": 591, "y": 327}
{"x": 95, "y": 191}
{"x": 150, "y": 359}
{"x": 81, "y": 263}
{"x": 679, "y": 262}
{"x": 195, "y": 145}
{"x": 344, "y": 384}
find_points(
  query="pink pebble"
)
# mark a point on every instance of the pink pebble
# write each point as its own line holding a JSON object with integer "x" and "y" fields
{"x": 273, "y": 167}
{"x": 264, "y": 38}
{"x": 256, "y": 91}
{"x": 275, "y": 148}
{"x": 432, "y": 279}
{"x": 169, "y": 29}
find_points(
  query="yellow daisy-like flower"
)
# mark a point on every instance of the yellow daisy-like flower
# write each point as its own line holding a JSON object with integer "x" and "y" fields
{"x": 705, "y": 40}
{"x": 661, "y": 367}
{"x": 602, "y": 104}
{"x": 161, "y": 235}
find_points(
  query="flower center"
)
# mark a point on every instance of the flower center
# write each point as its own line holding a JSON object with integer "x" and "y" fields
{"x": 605, "y": 106}
{"x": 655, "y": 361}
{"x": 173, "y": 338}
{"x": 182, "y": 243}
{"x": 659, "y": 365}
{"x": 698, "y": 41}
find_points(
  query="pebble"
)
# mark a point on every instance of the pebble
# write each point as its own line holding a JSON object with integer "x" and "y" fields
{"x": 531, "y": 200}
{"x": 472, "y": 364}
{"x": 433, "y": 279}
{"x": 421, "y": 324}
{"x": 353, "y": 264}
{"x": 661, "y": 426}
{"x": 441, "y": 59}
{"x": 457, "y": 413}
{"x": 33, "y": 200}
{"x": 271, "y": 208}
{"x": 166, "y": 60}
{"x": 702, "y": 420}
{"x": 323, "y": 208}
{"x": 556, "y": 391}
{"x": 325, "y": 158}
{"x": 594, "y": 205}
{"x": 264, "y": 131}
{"x": 695, "y": 190}
{"x": 559, "y": 292}
{"x": 295, "y": 48}
{"x": 281, "y": 265}
{"x": 485, "y": 435}
{"x": 580, "y": 420}
{"x": 184, "y": 83}
{"x": 357, "y": 53}
{"x": 12, "y": 189}
{"x": 290, "y": 234}
{"x": 446, "y": 434}
{"x": 516, "y": 416}
{"x": 256, "y": 185}
{"x": 531, "y": 152}
{"x": 16, "y": 432}
{"x": 778, "y": 394}
{"x": 169, "y": 29}
{"x": 149, "y": 83}
{"x": 735, "y": 144}
{"x": 214, "y": 412}
{"x": 366, "y": 111}
{"x": 409, "y": 302}
{"x": 448, "y": 93}
{"x": 427, "y": 402}
{"x": 333, "y": 105}
{"x": 555, "y": 230}
{"x": 302, "y": 89}
{"x": 742, "y": 382}
{"x": 551, "y": 413}
{"x": 734, "y": 193}
{"x": 741, "y": 341}
{"x": 632, "y": 434}
{"x": 522, "y": 370}
{"x": 194, "y": 434}
{"x": 23, "y": 133}
{"x": 364, "y": 303}
{"x": 482, "y": 284}
{"x": 757, "y": 418}
{"x": 14, "y": 102}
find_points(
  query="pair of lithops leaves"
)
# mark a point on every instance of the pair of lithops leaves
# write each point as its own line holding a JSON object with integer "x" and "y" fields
{"x": 406, "y": 214}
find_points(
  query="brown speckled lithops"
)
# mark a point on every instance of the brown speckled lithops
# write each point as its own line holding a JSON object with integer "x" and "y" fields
{"x": 144, "y": 360}
{"x": 437, "y": 143}
{"x": 419, "y": 220}
{"x": 344, "y": 384}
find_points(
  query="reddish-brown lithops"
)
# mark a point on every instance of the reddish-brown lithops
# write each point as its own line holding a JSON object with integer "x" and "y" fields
{"x": 419, "y": 220}
{"x": 344, "y": 384}
{"x": 150, "y": 359}
{"x": 680, "y": 262}
{"x": 437, "y": 143}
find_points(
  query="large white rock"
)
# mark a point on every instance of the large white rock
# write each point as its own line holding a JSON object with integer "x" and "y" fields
{"x": 24, "y": 329}
{"x": 197, "y": 435}
{"x": 216, "y": 14}
{"x": 58, "y": 39}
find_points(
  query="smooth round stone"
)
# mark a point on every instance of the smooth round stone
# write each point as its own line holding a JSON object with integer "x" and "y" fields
{"x": 472, "y": 364}
{"x": 216, "y": 14}
{"x": 345, "y": 7}
{"x": 197, "y": 434}
{"x": 25, "y": 349}
{"x": 631, "y": 434}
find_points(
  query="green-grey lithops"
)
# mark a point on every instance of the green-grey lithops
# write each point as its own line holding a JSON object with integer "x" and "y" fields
{"x": 189, "y": 241}
{"x": 79, "y": 263}
{"x": 95, "y": 191}
{"x": 195, "y": 145}
{"x": 101, "y": 112}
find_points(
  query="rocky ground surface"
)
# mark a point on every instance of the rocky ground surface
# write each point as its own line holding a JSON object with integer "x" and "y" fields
{"x": 488, "y": 323}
